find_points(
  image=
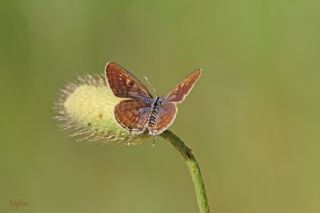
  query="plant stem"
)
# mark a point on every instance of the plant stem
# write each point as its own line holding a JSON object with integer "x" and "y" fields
{"x": 193, "y": 168}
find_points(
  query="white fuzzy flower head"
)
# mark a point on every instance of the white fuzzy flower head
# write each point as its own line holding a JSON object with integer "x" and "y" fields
{"x": 85, "y": 108}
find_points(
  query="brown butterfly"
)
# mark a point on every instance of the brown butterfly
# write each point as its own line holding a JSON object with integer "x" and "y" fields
{"x": 140, "y": 112}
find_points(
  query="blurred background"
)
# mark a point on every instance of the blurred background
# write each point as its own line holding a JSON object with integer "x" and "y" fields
{"x": 252, "y": 120}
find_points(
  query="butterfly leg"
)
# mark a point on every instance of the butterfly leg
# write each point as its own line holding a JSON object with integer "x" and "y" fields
{"x": 154, "y": 140}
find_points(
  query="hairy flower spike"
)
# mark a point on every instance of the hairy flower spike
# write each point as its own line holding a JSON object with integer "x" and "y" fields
{"x": 86, "y": 110}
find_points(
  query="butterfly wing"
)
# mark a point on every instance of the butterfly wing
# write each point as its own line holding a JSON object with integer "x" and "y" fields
{"x": 179, "y": 93}
{"x": 165, "y": 118}
{"x": 132, "y": 115}
{"x": 124, "y": 84}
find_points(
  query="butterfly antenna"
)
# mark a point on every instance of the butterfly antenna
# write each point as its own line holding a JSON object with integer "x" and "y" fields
{"x": 154, "y": 90}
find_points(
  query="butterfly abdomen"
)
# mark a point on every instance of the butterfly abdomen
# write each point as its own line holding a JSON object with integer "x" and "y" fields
{"x": 155, "y": 111}
{"x": 153, "y": 117}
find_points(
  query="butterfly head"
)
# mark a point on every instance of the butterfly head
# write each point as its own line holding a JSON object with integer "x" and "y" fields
{"x": 158, "y": 101}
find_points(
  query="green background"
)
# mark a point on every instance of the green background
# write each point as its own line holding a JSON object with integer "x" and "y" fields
{"x": 252, "y": 120}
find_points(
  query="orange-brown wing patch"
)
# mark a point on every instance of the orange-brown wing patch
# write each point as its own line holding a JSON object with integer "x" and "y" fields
{"x": 179, "y": 93}
{"x": 165, "y": 118}
{"x": 123, "y": 83}
{"x": 132, "y": 115}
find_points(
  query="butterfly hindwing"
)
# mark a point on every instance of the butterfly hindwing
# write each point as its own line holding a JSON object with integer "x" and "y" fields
{"x": 179, "y": 93}
{"x": 132, "y": 115}
{"x": 164, "y": 119}
{"x": 124, "y": 84}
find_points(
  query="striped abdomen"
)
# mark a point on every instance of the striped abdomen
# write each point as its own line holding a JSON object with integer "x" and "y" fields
{"x": 153, "y": 116}
{"x": 155, "y": 110}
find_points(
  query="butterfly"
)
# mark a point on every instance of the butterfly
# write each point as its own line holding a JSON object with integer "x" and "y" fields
{"x": 140, "y": 112}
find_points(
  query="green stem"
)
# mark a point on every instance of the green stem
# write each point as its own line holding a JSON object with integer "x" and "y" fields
{"x": 193, "y": 167}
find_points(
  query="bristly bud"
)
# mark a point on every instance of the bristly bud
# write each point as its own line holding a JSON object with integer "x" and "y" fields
{"x": 85, "y": 108}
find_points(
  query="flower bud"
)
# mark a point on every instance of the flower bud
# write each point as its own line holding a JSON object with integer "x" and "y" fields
{"x": 85, "y": 108}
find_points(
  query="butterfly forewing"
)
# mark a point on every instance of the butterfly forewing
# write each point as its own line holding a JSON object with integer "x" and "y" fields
{"x": 179, "y": 93}
{"x": 132, "y": 114}
{"x": 124, "y": 84}
{"x": 165, "y": 118}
